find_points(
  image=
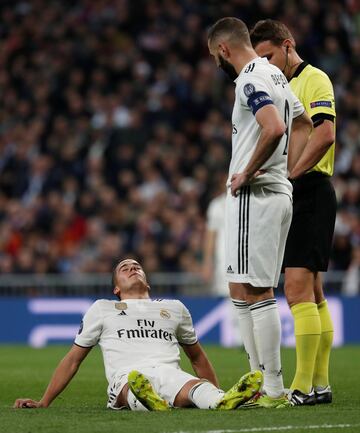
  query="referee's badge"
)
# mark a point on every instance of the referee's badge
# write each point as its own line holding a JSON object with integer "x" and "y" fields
{"x": 121, "y": 306}
{"x": 165, "y": 314}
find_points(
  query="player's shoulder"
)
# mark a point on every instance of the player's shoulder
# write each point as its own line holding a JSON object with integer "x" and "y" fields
{"x": 174, "y": 305}
{"x": 104, "y": 304}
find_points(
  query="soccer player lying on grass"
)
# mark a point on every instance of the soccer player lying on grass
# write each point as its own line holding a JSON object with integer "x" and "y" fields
{"x": 140, "y": 338}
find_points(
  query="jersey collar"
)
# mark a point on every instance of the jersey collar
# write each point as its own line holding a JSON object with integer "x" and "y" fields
{"x": 299, "y": 69}
{"x": 255, "y": 59}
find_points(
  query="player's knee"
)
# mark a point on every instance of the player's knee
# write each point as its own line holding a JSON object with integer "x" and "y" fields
{"x": 298, "y": 289}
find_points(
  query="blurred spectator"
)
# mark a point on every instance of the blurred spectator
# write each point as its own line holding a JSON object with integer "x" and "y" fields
{"x": 113, "y": 121}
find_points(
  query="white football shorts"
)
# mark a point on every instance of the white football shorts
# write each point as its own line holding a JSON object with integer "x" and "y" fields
{"x": 257, "y": 223}
{"x": 166, "y": 380}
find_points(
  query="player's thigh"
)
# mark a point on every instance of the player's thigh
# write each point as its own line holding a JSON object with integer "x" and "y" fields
{"x": 168, "y": 381}
{"x": 310, "y": 236}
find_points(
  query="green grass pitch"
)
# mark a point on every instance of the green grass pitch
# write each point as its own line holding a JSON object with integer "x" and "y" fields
{"x": 24, "y": 372}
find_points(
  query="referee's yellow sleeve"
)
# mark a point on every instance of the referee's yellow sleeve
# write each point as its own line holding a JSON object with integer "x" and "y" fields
{"x": 319, "y": 94}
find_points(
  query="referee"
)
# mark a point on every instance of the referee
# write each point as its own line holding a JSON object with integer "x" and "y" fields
{"x": 310, "y": 236}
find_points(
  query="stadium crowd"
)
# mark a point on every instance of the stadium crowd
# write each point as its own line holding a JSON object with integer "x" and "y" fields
{"x": 115, "y": 132}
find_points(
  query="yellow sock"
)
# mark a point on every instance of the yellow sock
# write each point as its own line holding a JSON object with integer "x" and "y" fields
{"x": 321, "y": 372}
{"x": 307, "y": 336}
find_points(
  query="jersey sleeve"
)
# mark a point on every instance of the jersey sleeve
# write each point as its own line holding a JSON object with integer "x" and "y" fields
{"x": 255, "y": 93}
{"x": 298, "y": 107}
{"x": 319, "y": 97}
{"x": 90, "y": 327}
{"x": 185, "y": 332}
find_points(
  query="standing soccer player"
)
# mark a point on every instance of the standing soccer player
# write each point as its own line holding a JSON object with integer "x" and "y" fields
{"x": 309, "y": 242}
{"x": 259, "y": 196}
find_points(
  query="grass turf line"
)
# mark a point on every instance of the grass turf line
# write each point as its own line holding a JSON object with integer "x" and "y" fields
{"x": 24, "y": 372}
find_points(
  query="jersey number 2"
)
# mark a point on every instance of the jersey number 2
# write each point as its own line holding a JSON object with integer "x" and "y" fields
{"x": 286, "y": 121}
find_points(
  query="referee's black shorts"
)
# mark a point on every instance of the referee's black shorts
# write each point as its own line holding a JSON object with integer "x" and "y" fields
{"x": 314, "y": 210}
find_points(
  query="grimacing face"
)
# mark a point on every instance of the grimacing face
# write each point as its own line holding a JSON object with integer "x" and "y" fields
{"x": 129, "y": 271}
{"x": 276, "y": 54}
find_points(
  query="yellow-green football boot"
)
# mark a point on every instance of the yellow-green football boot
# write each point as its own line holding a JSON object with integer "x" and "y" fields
{"x": 242, "y": 391}
{"x": 144, "y": 392}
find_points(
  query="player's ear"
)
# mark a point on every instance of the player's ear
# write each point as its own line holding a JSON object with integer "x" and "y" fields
{"x": 288, "y": 44}
{"x": 224, "y": 50}
{"x": 116, "y": 291}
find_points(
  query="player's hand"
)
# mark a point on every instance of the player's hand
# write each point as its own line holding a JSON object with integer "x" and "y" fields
{"x": 237, "y": 181}
{"x": 27, "y": 403}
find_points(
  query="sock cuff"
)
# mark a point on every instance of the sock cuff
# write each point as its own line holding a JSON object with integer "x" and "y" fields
{"x": 264, "y": 305}
{"x": 240, "y": 305}
{"x": 306, "y": 319}
{"x": 322, "y": 305}
{"x": 304, "y": 309}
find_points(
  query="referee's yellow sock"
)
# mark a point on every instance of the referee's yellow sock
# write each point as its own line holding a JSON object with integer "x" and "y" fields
{"x": 321, "y": 372}
{"x": 307, "y": 336}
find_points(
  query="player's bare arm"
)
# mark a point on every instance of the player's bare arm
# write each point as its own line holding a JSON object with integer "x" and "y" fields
{"x": 272, "y": 129}
{"x": 200, "y": 363}
{"x": 63, "y": 374}
{"x": 322, "y": 137}
{"x": 300, "y": 131}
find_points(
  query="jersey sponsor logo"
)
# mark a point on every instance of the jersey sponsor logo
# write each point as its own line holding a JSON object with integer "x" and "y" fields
{"x": 234, "y": 129}
{"x": 164, "y": 314}
{"x": 121, "y": 306}
{"x": 145, "y": 329}
{"x": 320, "y": 104}
{"x": 249, "y": 89}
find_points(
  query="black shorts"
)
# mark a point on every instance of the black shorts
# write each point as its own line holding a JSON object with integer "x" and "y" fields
{"x": 314, "y": 211}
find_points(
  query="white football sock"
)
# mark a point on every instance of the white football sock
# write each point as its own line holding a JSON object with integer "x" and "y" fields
{"x": 247, "y": 332}
{"x": 267, "y": 331}
{"x": 134, "y": 403}
{"x": 205, "y": 395}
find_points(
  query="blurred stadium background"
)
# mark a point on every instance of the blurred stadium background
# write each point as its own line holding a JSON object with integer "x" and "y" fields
{"x": 114, "y": 136}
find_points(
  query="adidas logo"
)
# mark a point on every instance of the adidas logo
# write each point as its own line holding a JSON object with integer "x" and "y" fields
{"x": 229, "y": 270}
{"x": 122, "y": 314}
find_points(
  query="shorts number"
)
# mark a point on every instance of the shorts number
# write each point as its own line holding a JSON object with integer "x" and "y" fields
{"x": 286, "y": 120}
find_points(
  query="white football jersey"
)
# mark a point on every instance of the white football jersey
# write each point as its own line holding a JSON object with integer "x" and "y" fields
{"x": 136, "y": 333}
{"x": 259, "y": 84}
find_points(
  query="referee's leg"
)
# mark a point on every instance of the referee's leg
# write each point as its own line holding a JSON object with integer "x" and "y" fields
{"x": 299, "y": 291}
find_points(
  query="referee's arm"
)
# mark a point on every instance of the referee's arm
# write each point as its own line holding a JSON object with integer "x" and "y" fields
{"x": 322, "y": 137}
{"x": 300, "y": 131}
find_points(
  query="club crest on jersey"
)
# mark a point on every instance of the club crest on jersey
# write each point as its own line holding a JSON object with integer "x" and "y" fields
{"x": 121, "y": 306}
{"x": 249, "y": 89}
{"x": 164, "y": 314}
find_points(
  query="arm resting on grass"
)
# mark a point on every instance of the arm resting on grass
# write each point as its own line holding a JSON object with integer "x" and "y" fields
{"x": 63, "y": 374}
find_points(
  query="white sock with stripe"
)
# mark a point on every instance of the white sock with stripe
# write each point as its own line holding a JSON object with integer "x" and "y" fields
{"x": 247, "y": 332}
{"x": 267, "y": 331}
{"x": 134, "y": 403}
{"x": 205, "y": 395}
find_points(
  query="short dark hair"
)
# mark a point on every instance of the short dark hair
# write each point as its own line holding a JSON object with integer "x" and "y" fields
{"x": 270, "y": 30}
{"x": 231, "y": 27}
